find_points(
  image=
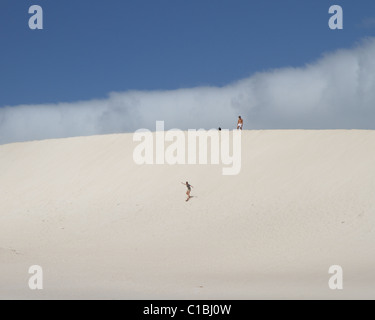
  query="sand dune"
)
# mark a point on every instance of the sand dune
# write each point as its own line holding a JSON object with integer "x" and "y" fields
{"x": 101, "y": 226}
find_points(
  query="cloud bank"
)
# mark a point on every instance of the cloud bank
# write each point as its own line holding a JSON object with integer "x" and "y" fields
{"x": 335, "y": 92}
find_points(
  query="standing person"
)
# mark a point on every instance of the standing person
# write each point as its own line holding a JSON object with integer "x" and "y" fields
{"x": 240, "y": 123}
{"x": 189, "y": 186}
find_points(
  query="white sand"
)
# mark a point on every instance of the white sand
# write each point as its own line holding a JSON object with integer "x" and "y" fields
{"x": 103, "y": 227}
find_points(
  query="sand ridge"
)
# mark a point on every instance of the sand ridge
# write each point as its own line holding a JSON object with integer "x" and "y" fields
{"x": 103, "y": 227}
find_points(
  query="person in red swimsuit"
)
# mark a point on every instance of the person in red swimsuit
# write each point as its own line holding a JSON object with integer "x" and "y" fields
{"x": 240, "y": 123}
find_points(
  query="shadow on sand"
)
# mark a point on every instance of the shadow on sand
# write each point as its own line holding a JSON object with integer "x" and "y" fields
{"x": 191, "y": 197}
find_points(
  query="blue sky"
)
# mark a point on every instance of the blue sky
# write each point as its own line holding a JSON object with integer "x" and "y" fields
{"x": 114, "y": 66}
{"x": 89, "y": 48}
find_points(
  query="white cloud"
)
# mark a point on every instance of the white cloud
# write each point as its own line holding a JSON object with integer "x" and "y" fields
{"x": 337, "y": 91}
